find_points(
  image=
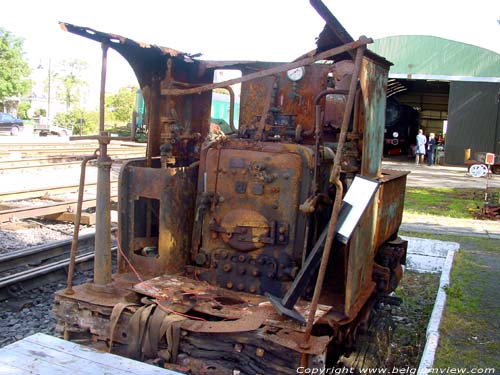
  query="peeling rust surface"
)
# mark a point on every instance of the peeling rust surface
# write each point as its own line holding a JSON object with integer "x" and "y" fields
{"x": 210, "y": 223}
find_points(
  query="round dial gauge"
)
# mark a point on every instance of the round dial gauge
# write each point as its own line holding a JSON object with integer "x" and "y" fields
{"x": 296, "y": 74}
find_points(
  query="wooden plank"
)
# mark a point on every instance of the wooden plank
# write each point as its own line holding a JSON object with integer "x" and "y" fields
{"x": 33, "y": 363}
{"x": 36, "y": 211}
{"x": 85, "y": 219}
{"x": 6, "y": 369}
{"x": 120, "y": 365}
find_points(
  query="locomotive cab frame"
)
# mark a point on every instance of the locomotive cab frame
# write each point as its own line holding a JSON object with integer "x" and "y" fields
{"x": 215, "y": 228}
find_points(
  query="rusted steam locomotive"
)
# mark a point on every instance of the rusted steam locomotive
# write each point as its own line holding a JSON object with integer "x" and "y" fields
{"x": 231, "y": 256}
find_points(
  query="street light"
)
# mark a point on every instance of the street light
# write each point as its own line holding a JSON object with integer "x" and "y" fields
{"x": 40, "y": 66}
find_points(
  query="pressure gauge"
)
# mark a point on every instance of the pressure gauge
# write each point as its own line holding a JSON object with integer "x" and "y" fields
{"x": 296, "y": 74}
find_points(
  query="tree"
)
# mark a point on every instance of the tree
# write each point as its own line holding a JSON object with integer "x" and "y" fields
{"x": 81, "y": 121}
{"x": 121, "y": 104}
{"x": 14, "y": 71}
{"x": 70, "y": 81}
{"x": 23, "y": 109}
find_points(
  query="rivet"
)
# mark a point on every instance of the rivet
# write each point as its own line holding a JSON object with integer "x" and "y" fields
{"x": 238, "y": 347}
{"x": 253, "y": 289}
{"x": 259, "y": 352}
{"x": 227, "y": 267}
{"x": 255, "y": 273}
{"x": 229, "y": 285}
{"x": 241, "y": 286}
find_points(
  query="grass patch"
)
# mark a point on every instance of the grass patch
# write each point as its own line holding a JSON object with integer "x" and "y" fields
{"x": 470, "y": 328}
{"x": 418, "y": 293}
{"x": 457, "y": 203}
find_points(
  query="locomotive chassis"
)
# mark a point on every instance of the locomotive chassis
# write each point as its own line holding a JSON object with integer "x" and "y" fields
{"x": 232, "y": 220}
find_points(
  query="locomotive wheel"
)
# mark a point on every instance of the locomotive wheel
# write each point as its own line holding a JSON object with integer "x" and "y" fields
{"x": 372, "y": 346}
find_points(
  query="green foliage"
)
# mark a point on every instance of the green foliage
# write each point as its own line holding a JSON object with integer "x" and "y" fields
{"x": 40, "y": 112}
{"x": 22, "y": 110}
{"x": 120, "y": 106}
{"x": 14, "y": 71}
{"x": 69, "y": 81}
{"x": 82, "y": 122}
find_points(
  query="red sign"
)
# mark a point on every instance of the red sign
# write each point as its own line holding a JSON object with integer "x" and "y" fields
{"x": 489, "y": 159}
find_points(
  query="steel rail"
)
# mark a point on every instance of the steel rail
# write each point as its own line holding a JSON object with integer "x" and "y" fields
{"x": 47, "y": 162}
{"x": 46, "y": 269}
{"x": 41, "y": 270}
{"x": 70, "y": 151}
{"x": 41, "y": 253}
{"x": 47, "y": 262}
{"x": 46, "y": 191}
{"x": 17, "y": 146}
{"x": 59, "y": 207}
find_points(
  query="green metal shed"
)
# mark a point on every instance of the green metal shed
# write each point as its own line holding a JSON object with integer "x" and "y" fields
{"x": 472, "y": 76}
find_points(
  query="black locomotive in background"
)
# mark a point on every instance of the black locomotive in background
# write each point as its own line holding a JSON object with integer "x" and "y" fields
{"x": 401, "y": 128}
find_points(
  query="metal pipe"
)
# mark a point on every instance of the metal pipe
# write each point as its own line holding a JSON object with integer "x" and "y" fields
{"x": 335, "y": 179}
{"x": 102, "y": 263}
{"x": 104, "y": 63}
{"x": 316, "y": 102}
{"x": 317, "y": 138}
{"x": 272, "y": 71}
{"x": 231, "y": 108}
{"x": 76, "y": 230}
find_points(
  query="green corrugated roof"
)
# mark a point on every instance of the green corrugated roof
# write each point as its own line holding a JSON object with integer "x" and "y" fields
{"x": 430, "y": 57}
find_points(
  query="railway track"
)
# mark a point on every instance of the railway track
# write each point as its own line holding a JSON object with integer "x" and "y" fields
{"x": 44, "y": 263}
{"x": 35, "y": 164}
{"x": 18, "y": 213}
{"x": 48, "y": 191}
{"x": 14, "y": 153}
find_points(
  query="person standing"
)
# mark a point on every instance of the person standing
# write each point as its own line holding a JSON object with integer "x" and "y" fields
{"x": 420, "y": 147}
{"x": 431, "y": 144}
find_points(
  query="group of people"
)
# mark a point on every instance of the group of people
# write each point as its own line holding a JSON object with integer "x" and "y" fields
{"x": 425, "y": 146}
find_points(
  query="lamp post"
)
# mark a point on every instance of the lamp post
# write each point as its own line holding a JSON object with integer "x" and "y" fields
{"x": 49, "y": 76}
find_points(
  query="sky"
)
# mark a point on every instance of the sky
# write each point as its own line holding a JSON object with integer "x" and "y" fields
{"x": 269, "y": 30}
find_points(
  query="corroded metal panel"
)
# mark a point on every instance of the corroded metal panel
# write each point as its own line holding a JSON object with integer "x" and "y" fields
{"x": 292, "y": 98}
{"x": 160, "y": 206}
{"x": 373, "y": 80}
{"x": 390, "y": 203}
{"x": 251, "y": 240}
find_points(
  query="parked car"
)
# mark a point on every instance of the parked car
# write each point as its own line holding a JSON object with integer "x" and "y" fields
{"x": 43, "y": 127}
{"x": 11, "y": 125}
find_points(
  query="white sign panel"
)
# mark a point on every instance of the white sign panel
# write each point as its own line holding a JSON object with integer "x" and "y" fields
{"x": 358, "y": 196}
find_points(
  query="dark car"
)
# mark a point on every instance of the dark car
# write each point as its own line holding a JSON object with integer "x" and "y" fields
{"x": 10, "y": 124}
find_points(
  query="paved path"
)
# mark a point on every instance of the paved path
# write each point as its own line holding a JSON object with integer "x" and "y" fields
{"x": 439, "y": 175}
{"x": 448, "y": 225}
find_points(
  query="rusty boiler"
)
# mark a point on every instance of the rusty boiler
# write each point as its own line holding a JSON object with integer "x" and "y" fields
{"x": 231, "y": 258}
